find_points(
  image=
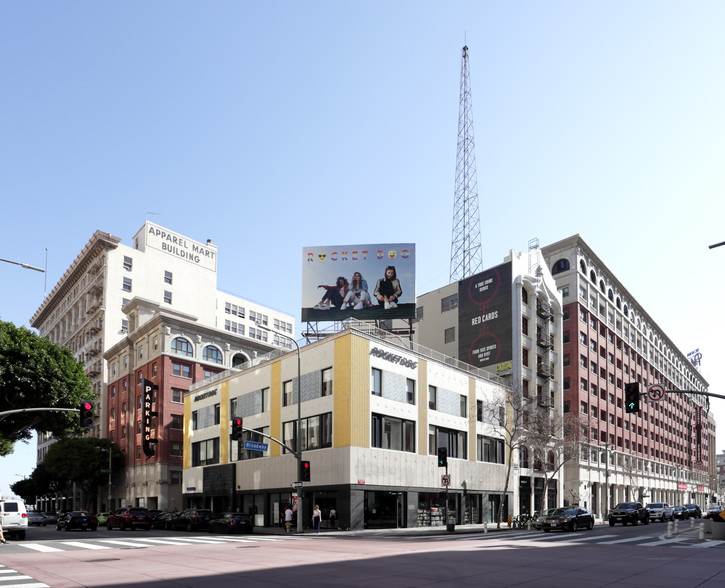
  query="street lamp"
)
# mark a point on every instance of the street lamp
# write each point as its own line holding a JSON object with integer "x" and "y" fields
{"x": 606, "y": 480}
{"x": 25, "y": 265}
{"x": 298, "y": 444}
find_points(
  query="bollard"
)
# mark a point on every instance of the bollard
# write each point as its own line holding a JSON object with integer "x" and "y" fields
{"x": 676, "y": 529}
{"x": 692, "y": 524}
{"x": 669, "y": 530}
{"x": 701, "y": 533}
{"x": 529, "y": 525}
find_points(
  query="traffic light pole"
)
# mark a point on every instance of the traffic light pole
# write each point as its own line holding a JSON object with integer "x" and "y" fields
{"x": 5, "y": 413}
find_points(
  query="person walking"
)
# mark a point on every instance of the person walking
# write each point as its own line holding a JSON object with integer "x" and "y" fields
{"x": 316, "y": 518}
{"x": 288, "y": 514}
{"x": 333, "y": 518}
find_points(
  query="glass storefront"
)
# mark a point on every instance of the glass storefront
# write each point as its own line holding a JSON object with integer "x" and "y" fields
{"x": 385, "y": 510}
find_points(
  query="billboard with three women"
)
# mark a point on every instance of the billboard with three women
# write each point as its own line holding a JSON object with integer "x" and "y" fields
{"x": 365, "y": 282}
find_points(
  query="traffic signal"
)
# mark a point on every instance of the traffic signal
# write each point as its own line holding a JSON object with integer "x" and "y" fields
{"x": 85, "y": 410}
{"x": 305, "y": 474}
{"x": 631, "y": 397}
{"x": 237, "y": 428}
{"x": 442, "y": 457}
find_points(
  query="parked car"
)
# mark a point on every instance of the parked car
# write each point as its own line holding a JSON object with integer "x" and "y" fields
{"x": 102, "y": 518}
{"x": 659, "y": 511}
{"x": 130, "y": 517}
{"x": 77, "y": 519}
{"x": 164, "y": 521}
{"x": 51, "y": 518}
{"x": 539, "y": 520}
{"x": 35, "y": 517}
{"x": 628, "y": 512}
{"x": 680, "y": 512}
{"x": 569, "y": 519}
{"x": 714, "y": 511}
{"x": 694, "y": 511}
{"x": 230, "y": 522}
{"x": 15, "y": 518}
{"x": 192, "y": 519}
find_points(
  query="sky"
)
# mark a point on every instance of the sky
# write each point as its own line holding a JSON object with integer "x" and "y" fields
{"x": 273, "y": 126}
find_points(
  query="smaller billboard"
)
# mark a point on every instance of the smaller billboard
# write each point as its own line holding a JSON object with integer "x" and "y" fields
{"x": 366, "y": 282}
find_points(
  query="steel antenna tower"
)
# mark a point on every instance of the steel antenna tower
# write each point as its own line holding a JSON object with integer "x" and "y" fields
{"x": 466, "y": 257}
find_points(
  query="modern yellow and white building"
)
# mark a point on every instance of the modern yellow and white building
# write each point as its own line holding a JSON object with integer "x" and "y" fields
{"x": 374, "y": 411}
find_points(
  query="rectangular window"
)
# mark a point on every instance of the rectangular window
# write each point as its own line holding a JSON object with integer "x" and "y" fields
{"x": 205, "y": 452}
{"x": 432, "y": 400}
{"x": 410, "y": 389}
{"x": 167, "y": 297}
{"x": 124, "y": 325}
{"x": 287, "y": 393}
{"x": 177, "y": 421}
{"x": 454, "y": 441}
{"x": 127, "y": 284}
{"x": 449, "y": 335}
{"x": 168, "y": 277}
{"x": 449, "y": 302}
{"x": 489, "y": 449}
{"x": 316, "y": 432}
{"x": 180, "y": 369}
{"x": 175, "y": 476}
{"x": 479, "y": 411}
{"x": 127, "y": 263}
{"x": 327, "y": 382}
{"x": 377, "y": 376}
{"x": 177, "y": 395}
{"x": 464, "y": 405}
{"x": 392, "y": 433}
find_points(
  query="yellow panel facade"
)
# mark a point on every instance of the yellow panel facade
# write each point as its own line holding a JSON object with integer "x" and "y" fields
{"x": 422, "y": 407}
{"x": 275, "y": 407}
{"x": 352, "y": 392}
{"x": 224, "y": 429}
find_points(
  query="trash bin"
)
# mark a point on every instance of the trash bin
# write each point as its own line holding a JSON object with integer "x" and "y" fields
{"x": 451, "y": 524}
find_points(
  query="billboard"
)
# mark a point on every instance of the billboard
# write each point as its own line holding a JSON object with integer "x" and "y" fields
{"x": 484, "y": 318}
{"x": 366, "y": 282}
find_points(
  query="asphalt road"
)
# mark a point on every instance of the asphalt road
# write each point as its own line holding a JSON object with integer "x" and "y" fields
{"x": 607, "y": 556}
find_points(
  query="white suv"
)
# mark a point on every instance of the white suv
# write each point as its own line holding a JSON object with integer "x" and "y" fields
{"x": 659, "y": 511}
{"x": 15, "y": 518}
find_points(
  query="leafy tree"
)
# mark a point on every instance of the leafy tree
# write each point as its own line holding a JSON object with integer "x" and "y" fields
{"x": 80, "y": 461}
{"x": 35, "y": 373}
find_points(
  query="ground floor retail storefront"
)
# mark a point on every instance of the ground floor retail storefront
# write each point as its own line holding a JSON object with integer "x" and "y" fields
{"x": 360, "y": 507}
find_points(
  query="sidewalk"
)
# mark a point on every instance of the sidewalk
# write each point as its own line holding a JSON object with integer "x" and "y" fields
{"x": 415, "y": 531}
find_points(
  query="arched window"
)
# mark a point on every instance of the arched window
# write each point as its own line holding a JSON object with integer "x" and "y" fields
{"x": 537, "y": 460}
{"x": 239, "y": 360}
{"x": 583, "y": 267}
{"x": 619, "y": 304}
{"x": 610, "y": 294}
{"x": 626, "y": 310}
{"x": 602, "y": 287}
{"x": 560, "y": 266}
{"x": 212, "y": 354}
{"x": 524, "y": 457}
{"x": 181, "y": 346}
{"x": 593, "y": 277}
{"x": 550, "y": 461}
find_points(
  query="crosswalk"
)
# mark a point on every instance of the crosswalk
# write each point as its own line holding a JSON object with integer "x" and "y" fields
{"x": 140, "y": 543}
{"x": 683, "y": 541}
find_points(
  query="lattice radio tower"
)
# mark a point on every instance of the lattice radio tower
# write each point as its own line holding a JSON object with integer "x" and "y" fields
{"x": 466, "y": 257}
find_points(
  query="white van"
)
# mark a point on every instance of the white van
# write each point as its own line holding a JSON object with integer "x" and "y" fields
{"x": 15, "y": 518}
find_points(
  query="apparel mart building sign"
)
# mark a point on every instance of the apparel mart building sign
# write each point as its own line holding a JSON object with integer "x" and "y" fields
{"x": 179, "y": 246}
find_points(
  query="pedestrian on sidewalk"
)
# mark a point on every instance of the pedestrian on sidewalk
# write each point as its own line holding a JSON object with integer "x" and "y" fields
{"x": 288, "y": 520}
{"x": 316, "y": 518}
{"x": 333, "y": 518}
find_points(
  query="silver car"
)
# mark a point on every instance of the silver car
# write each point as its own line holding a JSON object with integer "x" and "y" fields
{"x": 659, "y": 511}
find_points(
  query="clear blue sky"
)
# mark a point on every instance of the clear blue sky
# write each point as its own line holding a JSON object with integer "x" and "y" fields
{"x": 271, "y": 126}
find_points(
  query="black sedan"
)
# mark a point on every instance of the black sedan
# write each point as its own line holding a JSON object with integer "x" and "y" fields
{"x": 230, "y": 522}
{"x": 569, "y": 519}
{"x": 164, "y": 521}
{"x": 680, "y": 512}
{"x": 694, "y": 510}
{"x": 77, "y": 519}
{"x": 714, "y": 512}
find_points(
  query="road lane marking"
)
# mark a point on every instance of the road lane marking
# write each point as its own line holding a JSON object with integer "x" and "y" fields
{"x": 84, "y": 545}
{"x": 39, "y": 547}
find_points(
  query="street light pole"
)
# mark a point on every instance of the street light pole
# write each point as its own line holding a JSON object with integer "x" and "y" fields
{"x": 298, "y": 444}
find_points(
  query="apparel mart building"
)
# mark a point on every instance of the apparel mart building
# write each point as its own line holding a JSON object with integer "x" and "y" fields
{"x": 144, "y": 304}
